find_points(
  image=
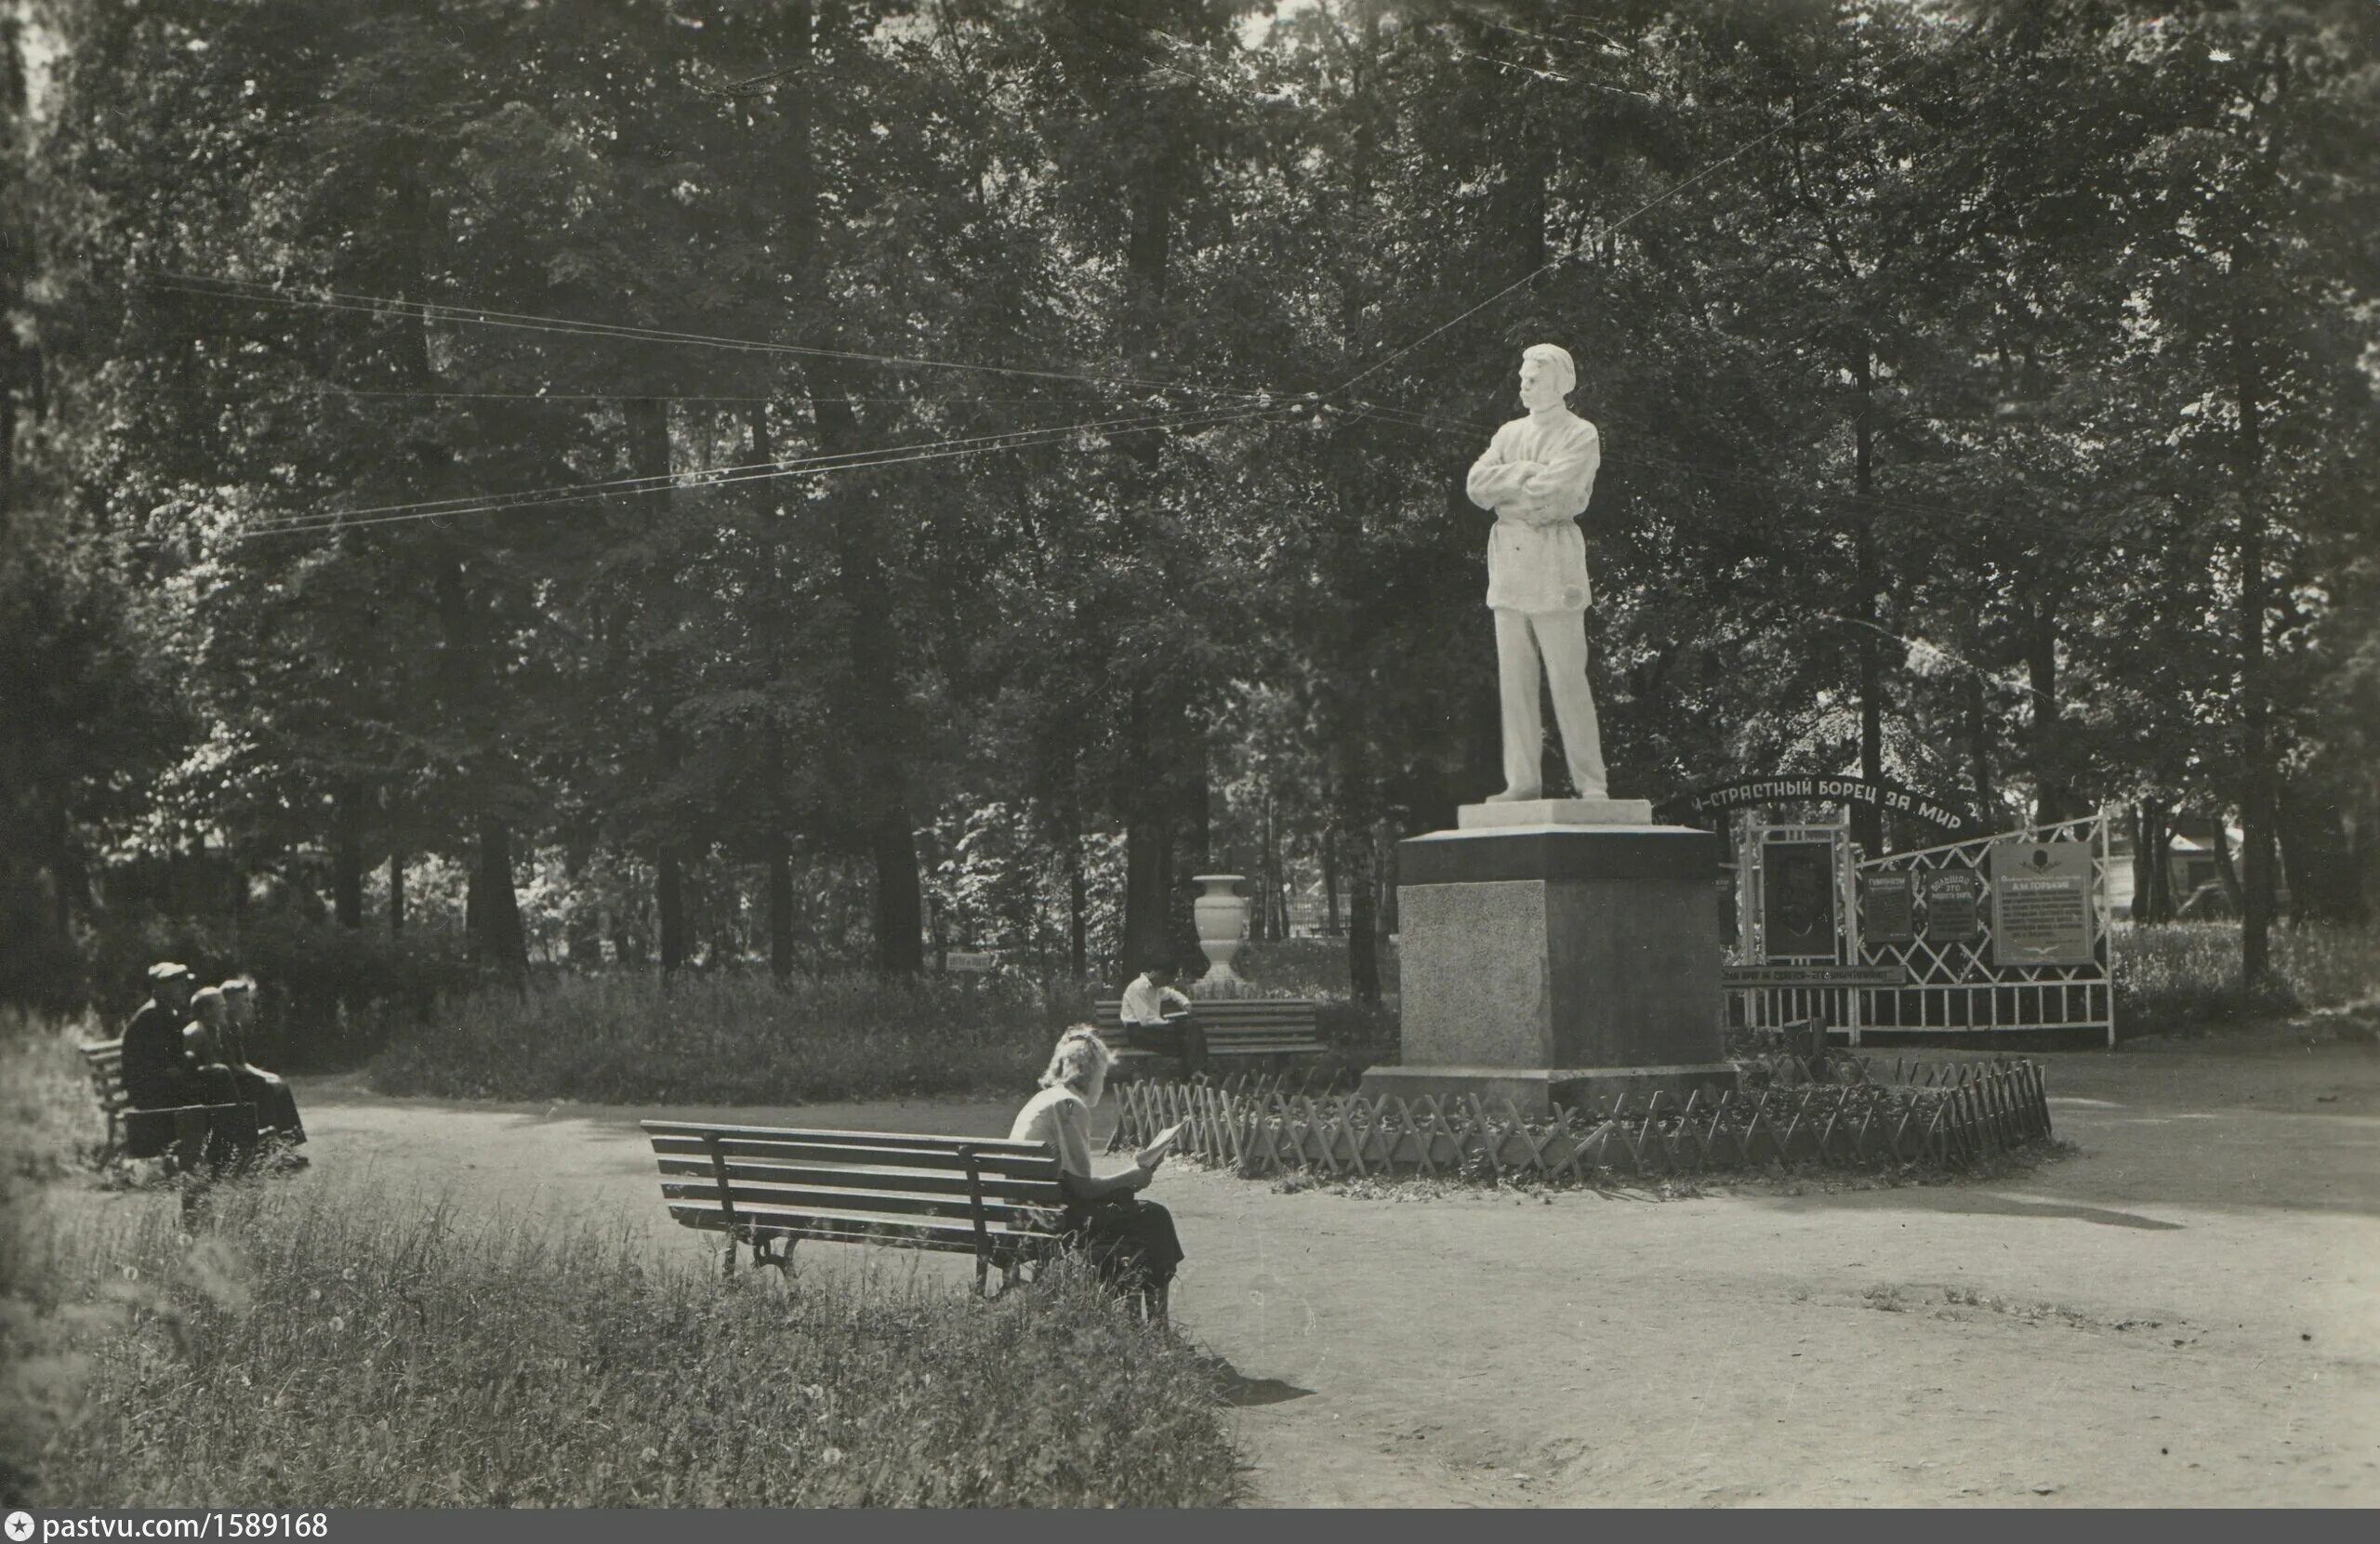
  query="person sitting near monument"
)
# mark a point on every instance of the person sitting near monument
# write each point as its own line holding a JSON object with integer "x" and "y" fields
{"x": 1132, "y": 1242}
{"x": 158, "y": 1072}
{"x": 276, "y": 1106}
{"x": 1157, "y": 1018}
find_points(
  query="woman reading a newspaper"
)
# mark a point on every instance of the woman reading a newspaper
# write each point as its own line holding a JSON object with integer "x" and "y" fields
{"x": 1132, "y": 1241}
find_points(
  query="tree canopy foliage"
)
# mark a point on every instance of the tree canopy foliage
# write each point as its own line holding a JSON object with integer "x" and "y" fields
{"x": 692, "y": 457}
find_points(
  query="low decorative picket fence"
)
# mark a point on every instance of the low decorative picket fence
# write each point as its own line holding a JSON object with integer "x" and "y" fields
{"x": 1943, "y": 1116}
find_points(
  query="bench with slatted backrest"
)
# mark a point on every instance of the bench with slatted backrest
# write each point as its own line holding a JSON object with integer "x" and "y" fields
{"x": 1273, "y": 1028}
{"x": 767, "y": 1187}
{"x": 177, "y": 1134}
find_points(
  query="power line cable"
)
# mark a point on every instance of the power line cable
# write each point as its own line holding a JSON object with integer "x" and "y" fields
{"x": 700, "y": 482}
{"x": 658, "y": 482}
{"x": 257, "y": 292}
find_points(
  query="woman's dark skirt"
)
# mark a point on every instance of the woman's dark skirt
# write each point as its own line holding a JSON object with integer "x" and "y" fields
{"x": 1130, "y": 1241}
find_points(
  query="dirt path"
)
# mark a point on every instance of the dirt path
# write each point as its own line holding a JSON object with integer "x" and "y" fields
{"x": 2185, "y": 1314}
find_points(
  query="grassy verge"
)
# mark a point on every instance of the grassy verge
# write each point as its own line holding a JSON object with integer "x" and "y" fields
{"x": 316, "y": 1344}
{"x": 50, "y": 1124}
{"x": 2182, "y": 977}
{"x": 732, "y": 1039}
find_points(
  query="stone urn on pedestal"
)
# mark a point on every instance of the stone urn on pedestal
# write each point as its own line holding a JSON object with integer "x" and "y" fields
{"x": 1221, "y": 914}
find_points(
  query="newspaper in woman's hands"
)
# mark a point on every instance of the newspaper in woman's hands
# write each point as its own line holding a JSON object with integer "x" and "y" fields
{"x": 1153, "y": 1151}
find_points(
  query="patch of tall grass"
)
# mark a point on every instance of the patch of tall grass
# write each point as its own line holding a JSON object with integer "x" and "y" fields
{"x": 732, "y": 1039}
{"x": 2179, "y": 977}
{"x": 49, "y": 1122}
{"x": 322, "y": 1343}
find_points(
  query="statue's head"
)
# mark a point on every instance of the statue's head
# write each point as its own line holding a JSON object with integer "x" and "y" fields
{"x": 1547, "y": 376}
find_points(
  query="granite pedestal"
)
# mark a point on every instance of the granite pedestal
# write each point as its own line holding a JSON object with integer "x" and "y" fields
{"x": 1546, "y": 962}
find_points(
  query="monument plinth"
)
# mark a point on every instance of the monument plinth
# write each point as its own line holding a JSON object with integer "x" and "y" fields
{"x": 1558, "y": 960}
{"x": 1554, "y": 811}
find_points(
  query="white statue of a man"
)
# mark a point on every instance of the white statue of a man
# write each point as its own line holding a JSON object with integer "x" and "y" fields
{"x": 1536, "y": 475}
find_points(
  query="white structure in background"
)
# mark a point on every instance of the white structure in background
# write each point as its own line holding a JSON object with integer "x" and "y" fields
{"x": 1221, "y": 914}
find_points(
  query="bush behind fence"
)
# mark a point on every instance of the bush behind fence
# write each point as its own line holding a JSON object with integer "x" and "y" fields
{"x": 1942, "y": 1115}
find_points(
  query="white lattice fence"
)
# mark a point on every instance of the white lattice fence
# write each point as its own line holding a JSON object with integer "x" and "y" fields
{"x": 1952, "y": 985}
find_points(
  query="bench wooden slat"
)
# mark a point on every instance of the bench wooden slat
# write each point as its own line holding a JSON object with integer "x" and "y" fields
{"x": 957, "y": 1238}
{"x": 1232, "y": 1010}
{"x": 810, "y": 1201}
{"x": 995, "y": 1186}
{"x": 1029, "y": 1165}
{"x": 857, "y": 1139}
{"x": 1236, "y": 1026}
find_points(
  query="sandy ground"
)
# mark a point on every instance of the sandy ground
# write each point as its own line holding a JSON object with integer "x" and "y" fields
{"x": 2184, "y": 1312}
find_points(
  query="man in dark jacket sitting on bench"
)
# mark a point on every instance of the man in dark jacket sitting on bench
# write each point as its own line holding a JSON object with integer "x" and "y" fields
{"x": 157, "y": 1075}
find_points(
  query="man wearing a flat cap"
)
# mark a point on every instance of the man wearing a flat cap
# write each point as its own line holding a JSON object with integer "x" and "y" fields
{"x": 1537, "y": 475}
{"x": 157, "y": 1075}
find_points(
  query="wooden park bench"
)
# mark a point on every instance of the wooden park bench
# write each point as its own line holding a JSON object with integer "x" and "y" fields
{"x": 181, "y": 1136}
{"x": 767, "y": 1187}
{"x": 1276, "y": 1029}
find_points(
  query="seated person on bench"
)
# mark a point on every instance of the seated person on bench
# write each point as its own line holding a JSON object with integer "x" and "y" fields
{"x": 276, "y": 1107}
{"x": 1157, "y": 1018}
{"x": 158, "y": 1072}
{"x": 1130, "y": 1241}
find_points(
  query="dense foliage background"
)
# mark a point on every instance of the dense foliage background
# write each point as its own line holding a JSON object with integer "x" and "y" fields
{"x": 1987, "y": 394}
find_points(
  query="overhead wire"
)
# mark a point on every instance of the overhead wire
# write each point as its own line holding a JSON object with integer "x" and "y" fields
{"x": 326, "y": 388}
{"x": 259, "y": 292}
{"x": 759, "y": 472}
{"x": 652, "y": 481}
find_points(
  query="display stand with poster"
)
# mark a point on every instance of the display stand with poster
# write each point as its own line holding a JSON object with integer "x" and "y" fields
{"x": 1994, "y": 932}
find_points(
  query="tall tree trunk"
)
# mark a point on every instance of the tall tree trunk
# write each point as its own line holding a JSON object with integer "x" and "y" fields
{"x": 1158, "y": 728}
{"x": 2050, "y": 797}
{"x": 2225, "y": 870}
{"x": 900, "y": 898}
{"x": 2143, "y": 865}
{"x": 868, "y": 701}
{"x": 1271, "y": 925}
{"x": 347, "y": 879}
{"x": 491, "y": 910}
{"x": 1363, "y": 941}
{"x": 1077, "y": 914}
{"x": 2152, "y": 899}
{"x": 1867, "y": 821}
{"x": 499, "y": 940}
{"x": 669, "y": 908}
{"x": 1986, "y": 798}
{"x": 2258, "y": 801}
{"x": 1329, "y": 883}
{"x": 648, "y": 442}
{"x": 1148, "y": 862}
{"x": 780, "y": 907}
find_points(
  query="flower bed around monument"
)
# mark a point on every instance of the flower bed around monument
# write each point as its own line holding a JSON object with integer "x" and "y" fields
{"x": 1939, "y": 1115}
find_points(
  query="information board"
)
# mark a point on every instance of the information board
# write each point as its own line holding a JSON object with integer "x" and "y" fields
{"x": 1797, "y": 900}
{"x": 1953, "y": 905}
{"x": 1888, "y": 908}
{"x": 2040, "y": 904}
